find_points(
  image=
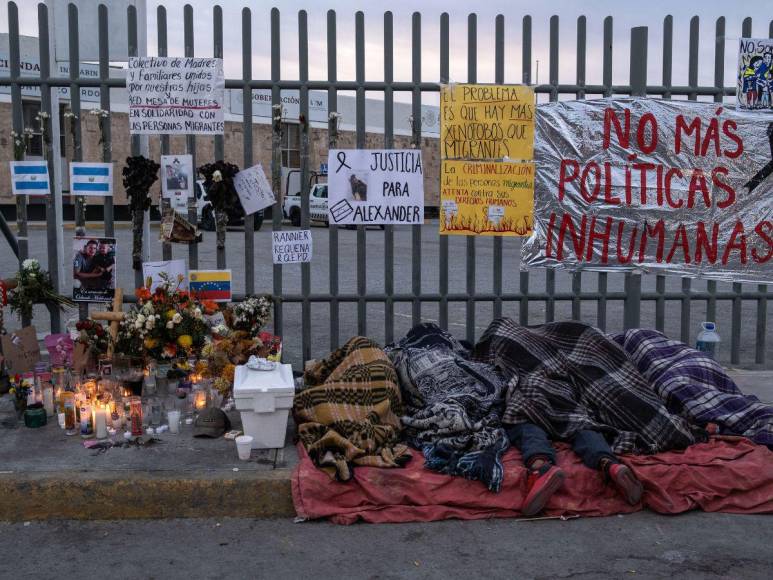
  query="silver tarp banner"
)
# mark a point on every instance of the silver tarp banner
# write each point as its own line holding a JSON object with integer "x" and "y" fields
{"x": 652, "y": 185}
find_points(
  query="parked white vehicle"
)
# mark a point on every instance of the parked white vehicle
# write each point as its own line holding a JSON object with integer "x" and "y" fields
{"x": 291, "y": 207}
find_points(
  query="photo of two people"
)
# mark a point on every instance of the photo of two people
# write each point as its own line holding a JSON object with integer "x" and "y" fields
{"x": 93, "y": 269}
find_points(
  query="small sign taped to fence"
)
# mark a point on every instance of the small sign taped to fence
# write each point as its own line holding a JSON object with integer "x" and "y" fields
{"x": 29, "y": 178}
{"x": 662, "y": 186}
{"x": 487, "y": 198}
{"x": 175, "y": 96}
{"x": 210, "y": 284}
{"x": 173, "y": 270}
{"x": 253, "y": 189}
{"x": 375, "y": 186}
{"x": 177, "y": 180}
{"x": 754, "y": 90}
{"x": 91, "y": 179}
{"x": 292, "y": 247}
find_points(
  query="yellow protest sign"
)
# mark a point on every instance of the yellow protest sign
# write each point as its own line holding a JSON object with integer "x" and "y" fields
{"x": 487, "y": 122}
{"x": 486, "y": 198}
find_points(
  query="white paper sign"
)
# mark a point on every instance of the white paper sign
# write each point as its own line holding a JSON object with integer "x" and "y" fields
{"x": 292, "y": 246}
{"x": 253, "y": 189}
{"x": 177, "y": 180}
{"x": 91, "y": 179}
{"x": 375, "y": 186}
{"x": 175, "y": 96}
{"x": 172, "y": 268}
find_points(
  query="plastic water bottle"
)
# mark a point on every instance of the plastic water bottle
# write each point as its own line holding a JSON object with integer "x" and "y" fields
{"x": 708, "y": 340}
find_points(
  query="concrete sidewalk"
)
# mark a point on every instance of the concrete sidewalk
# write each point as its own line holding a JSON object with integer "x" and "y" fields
{"x": 45, "y": 474}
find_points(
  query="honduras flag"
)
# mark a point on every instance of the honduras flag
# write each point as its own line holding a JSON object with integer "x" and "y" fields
{"x": 29, "y": 178}
{"x": 91, "y": 178}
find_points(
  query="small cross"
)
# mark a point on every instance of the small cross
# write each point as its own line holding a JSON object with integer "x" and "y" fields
{"x": 115, "y": 317}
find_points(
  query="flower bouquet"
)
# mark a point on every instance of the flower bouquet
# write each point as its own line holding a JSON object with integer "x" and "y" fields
{"x": 250, "y": 315}
{"x": 221, "y": 193}
{"x": 34, "y": 285}
{"x": 139, "y": 175}
{"x": 164, "y": 324}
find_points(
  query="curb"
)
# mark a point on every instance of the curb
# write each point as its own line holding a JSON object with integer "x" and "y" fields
{"x": 144, "y": 495}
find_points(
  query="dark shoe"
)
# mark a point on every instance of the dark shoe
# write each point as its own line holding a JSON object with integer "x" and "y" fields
{"x": 626, "y": 482}
{"x": 540, "y": 485}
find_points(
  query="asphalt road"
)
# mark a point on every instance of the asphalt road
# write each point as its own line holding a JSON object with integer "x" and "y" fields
{"x": 430, "y": 272}
{"x": 642, "y": 545}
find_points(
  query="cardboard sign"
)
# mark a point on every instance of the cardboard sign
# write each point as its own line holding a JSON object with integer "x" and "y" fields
{"x": 210, "y": 284}
{"x": 253, "y": 189}
{"x": 177, "y": 179}
{"x": 486, "y": 198}
{"x": 21, "y": 350}
{"x": 172, "y": 269}
{"x": 91, "y": 179}
{"x": 375, "y": 186}
{"x": 290, "y": 247}
{"x": 175, "y": 96}
{"x": 59, "y": 347}
{"x": 754, "y": 89}
{"x": 29, "y": 178}
{"x": 487, "y": 122}
{"x": 653, "y": 185}
{"x": 93, "y": 269}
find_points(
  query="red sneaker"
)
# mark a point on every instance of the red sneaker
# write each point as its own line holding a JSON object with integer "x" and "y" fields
{"x": 626, "y": 482}
{"x": 540, "y": 485}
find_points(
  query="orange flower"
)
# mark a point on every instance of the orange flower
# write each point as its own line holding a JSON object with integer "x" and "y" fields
{"x": 142, "y": 294}
{"x": 209, "y": 306}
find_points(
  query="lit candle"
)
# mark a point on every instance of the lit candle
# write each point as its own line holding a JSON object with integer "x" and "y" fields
{"x": 100, "y": 422}
{"x": 200, "y": 402}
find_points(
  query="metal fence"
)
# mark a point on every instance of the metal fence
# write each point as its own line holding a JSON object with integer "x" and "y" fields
{"x": 632, "y": 295}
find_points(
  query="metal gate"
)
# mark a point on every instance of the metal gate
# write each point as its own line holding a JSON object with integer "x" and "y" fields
{"x": 503, "y": 296}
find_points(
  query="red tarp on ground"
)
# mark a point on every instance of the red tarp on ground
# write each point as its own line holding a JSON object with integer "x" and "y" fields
{"x": 728, "y": 474}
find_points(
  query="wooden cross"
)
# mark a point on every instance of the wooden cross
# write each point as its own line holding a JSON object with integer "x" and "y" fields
{"x": 114, "y": 316}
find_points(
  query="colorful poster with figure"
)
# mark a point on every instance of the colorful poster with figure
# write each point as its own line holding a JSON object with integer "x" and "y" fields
{"x": 177, "y": 180}
{"x": 755, "y": 74}
{"x": 486, "y": 198}
{"x": 375, "y": 187}
{"x": 93, "y": 269}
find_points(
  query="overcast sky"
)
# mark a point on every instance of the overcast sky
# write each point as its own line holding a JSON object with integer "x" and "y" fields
{"x": 626, "y": 14}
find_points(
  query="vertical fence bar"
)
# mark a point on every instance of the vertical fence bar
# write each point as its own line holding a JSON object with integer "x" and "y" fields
{"x": 472, "y": 77}
{"x": 443, "y": 256}
{"x": 719, "y": 83}
{"x": 550, "y": 273}
{"x": 249, "y": 221}
{"x": 499, "y": 78}
{"x": 362, "y": 286}
{"x": 580, "y": 80}
{"x": 190, "y": 140}
{"x": 668, "y": 43}
{"x": 163, "y": 203}
{"x": 51, "y": 199}
{"x": 276, "y": 158}
{"x": 136, "y": 143}
{"x": 606, "y": 80}
{"x": 389, "y": 231}
{"x": 416, "y": 143}
{"x": 333, "y": 122}
{"x": 76, "y": 126}
{"x": 217, "y": 52}
{"x": 104, "y": 104}
{"x": 523, "y": 283}
{"x": 303, "y": 69}
{"x": 17, "y": 122}
{"x": 638, "y": 74}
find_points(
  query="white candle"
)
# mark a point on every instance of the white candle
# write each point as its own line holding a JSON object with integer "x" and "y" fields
{"x": 174, "y": 421}
{"x": 100, "y": 423}
{"x": 48, "y": 400}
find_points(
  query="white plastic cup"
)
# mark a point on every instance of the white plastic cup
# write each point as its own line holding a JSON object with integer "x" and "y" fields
{"x": 244, "y": 447}
{"x": 60, "y": 418}
{"x": 174, "y": 421}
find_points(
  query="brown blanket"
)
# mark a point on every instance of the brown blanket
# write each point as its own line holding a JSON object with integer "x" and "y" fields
{"x": 348, "y": 413}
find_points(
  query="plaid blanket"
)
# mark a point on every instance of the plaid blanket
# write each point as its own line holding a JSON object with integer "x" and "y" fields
{"x": 694, "y": 386}
{"x": 453, "y": 405}
{"x": 568, "y": 376}
{"x": 348, "y": 414}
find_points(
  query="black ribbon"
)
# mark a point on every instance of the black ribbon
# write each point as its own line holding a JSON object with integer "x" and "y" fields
{"x": 763, "y": 173}
{"x": 342, "y": 161}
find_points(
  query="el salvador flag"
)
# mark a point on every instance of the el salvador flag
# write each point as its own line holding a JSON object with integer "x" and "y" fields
{"x": 29, "y": 178}
{"x": 91, "y": 178}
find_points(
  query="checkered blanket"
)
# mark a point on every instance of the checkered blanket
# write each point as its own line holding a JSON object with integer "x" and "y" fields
{"x": 569, "y": 376}
{"x": 696, "y": 387}
{"x": 453, "y": 405}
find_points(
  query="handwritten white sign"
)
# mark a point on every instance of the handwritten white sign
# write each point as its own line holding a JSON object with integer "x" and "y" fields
{"x": 175, "y": 96}
{"x": 172, "y": 269}
{"x": 253, "y": 189}
{"x": 375, "y": 186}
{"x": 291, "y": 247}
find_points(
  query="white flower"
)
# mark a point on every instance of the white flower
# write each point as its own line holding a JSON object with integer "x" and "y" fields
{"x": 138, "y": 325}
{"x": 147, "y": 308}
{"x": 197, "y": 313}
{"x": 141, "y": 318}
{"x": 30, "y": 264}
{"x": 220, "y": 329}
{"x": 177, "y": 318}
{"x": 170, "y": 325}
{"x": 149, "y": 324}
{"x": 217, "y": 176}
